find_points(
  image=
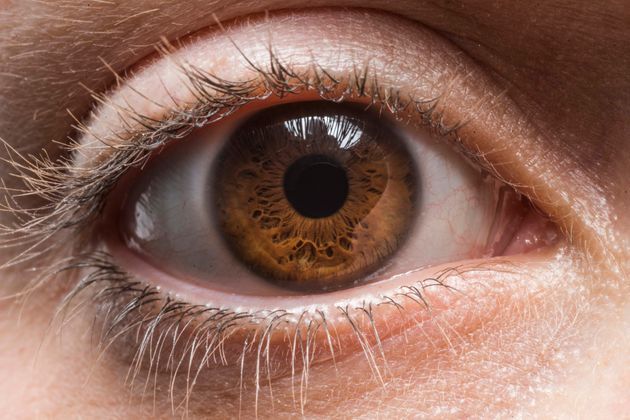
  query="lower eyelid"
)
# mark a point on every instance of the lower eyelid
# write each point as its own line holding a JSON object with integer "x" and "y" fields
{"x": 195, "y": 292}
{"x": 443, "y": 304}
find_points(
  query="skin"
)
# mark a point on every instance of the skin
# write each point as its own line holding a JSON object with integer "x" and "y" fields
{"x": 555, "y": 350}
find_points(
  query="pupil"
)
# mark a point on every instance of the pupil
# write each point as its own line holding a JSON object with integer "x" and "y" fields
{"x": 316, "y": 186}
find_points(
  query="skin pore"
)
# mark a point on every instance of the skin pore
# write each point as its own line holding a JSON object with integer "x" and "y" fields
{"x": 547, "y": 337}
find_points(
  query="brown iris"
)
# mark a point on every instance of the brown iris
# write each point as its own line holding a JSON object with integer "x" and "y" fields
{"x": 314, "y": 196}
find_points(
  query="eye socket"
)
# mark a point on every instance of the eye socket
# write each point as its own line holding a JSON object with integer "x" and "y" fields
{"x": 242, "y": 206}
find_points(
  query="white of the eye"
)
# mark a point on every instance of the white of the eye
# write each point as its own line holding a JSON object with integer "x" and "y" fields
{"x": 456, "y": 209}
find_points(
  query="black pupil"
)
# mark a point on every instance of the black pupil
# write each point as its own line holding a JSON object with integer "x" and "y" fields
{"x": 316, "y": 186}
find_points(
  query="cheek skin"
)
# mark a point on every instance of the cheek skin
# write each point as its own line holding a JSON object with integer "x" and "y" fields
{"x": 529, "y": 350}
{"x": 45, "y": 376}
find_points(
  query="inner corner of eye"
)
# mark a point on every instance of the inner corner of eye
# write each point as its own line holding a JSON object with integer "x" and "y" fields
{"x": 521, "y": 227}
{"x": 313, "y": 197}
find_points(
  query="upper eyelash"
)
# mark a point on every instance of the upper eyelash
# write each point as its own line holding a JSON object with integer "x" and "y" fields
{"x": 71, "y": 198}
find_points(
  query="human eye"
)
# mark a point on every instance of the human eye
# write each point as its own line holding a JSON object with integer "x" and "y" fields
{"x": 314, "y": 197}
{"x": 252, "y": 215}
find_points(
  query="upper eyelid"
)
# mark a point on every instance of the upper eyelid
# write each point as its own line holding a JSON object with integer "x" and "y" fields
{"x": 75, "y": 173}
{"x": 460, "y": 93}
{"x": 448, "y": 91}
{"x": 117, "y": 112}
{"x": 441, "y": 70}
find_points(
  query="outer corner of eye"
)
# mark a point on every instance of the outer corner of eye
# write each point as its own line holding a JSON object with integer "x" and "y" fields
{"x": 314, "y": 197}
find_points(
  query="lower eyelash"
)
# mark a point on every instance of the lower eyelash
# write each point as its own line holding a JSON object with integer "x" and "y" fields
{"x": 159, "y": 336}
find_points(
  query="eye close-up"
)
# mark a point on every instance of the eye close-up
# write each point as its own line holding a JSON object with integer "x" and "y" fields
{"x": 313, "y": 197}
{"x": 270, "y": 210}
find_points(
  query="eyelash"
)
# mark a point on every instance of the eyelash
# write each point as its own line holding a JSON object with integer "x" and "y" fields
{"x": 73, "y": 199}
